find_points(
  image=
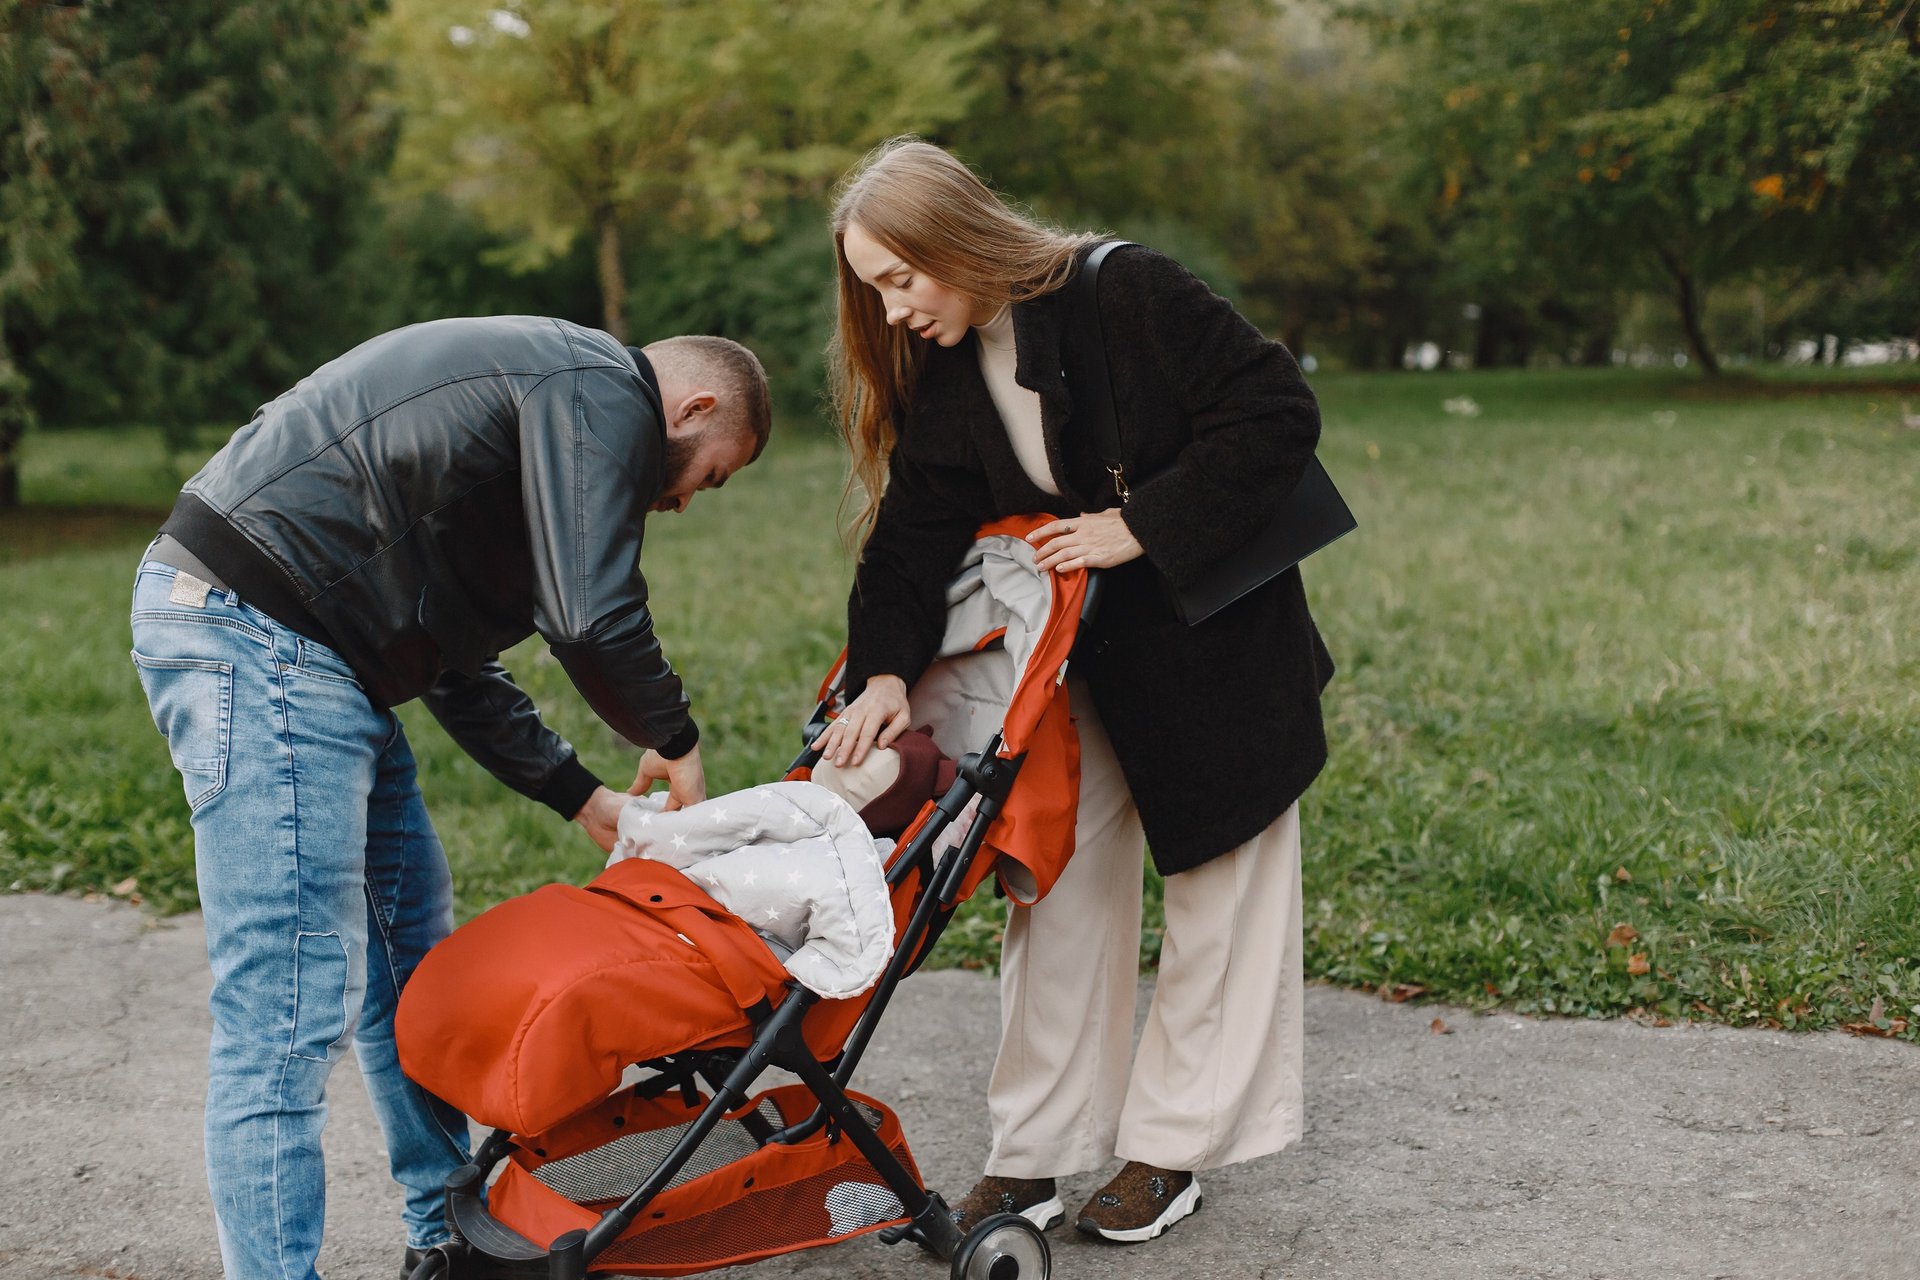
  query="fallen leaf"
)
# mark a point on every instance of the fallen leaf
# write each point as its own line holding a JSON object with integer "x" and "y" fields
{"x": 1637, "y": 963}
{"x": 1875, "y": 1014}
{"x": 1491, "y": 989}
{"x": 126, "y": 886}
{"x": 1401, "y": 992}
{"x": 1621, "y": 935}
{"x": 1623, "y": 875}
{"x": 1439, "y": 1028}
{"x": 1894, "y": 1028}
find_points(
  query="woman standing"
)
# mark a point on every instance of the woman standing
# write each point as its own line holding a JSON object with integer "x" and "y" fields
{"x": 1197, "y": 741}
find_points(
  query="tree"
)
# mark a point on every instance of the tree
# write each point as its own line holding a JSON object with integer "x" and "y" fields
{"x": 1669, "y": 144}
{"x": 48, "y": 99}
{"x": 1301, "y": 195}
{"x": 558, "y": 119}
{"x": 1104, "y": 111}
{"x": 1231, "y": 135}
{"x": 215, "y": 184}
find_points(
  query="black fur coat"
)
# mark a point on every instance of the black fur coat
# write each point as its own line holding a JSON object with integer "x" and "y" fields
{"x": 1217, "y": 727}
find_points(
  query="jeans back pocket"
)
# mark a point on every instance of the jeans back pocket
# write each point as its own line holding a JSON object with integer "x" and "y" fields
{"x": 192, "y": 704}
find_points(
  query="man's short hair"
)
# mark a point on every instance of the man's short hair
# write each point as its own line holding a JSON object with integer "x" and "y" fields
{"x": 733, "y": 371}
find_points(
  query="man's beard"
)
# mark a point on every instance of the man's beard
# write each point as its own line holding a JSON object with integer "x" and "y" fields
{"x": 679, "y": 461}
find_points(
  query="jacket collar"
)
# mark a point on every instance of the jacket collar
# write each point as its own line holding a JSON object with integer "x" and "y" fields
{"x": 952, "y": 388}
{"x": 1039, "y": 330}
{"x": 648, "y": 377}
{"x": 1037, "y": 325}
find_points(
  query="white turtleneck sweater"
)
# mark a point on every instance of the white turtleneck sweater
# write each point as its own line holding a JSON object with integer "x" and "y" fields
{"x": 1019, "y": 408}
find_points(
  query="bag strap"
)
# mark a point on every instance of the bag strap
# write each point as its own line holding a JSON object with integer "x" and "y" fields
{"x": 1093, "y": 389}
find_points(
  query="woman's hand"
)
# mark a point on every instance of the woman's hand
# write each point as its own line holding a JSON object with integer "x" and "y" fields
{"x": 1097, "y": 540}
{"x": 875, "y": 719}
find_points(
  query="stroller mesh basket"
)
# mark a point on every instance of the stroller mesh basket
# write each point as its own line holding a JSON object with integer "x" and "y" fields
{"x": 607, "y": 1174}
{"x": 736, "y": 1201}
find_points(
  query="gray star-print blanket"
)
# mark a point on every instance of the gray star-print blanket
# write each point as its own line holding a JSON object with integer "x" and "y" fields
{"x": 793, "y": 860}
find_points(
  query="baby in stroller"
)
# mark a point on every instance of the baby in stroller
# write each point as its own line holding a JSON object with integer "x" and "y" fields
{"x": 613, "y": 1033}
{"x": 803, "y": 863}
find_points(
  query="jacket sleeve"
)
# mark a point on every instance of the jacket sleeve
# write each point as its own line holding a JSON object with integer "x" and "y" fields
{"x": 495, "y": 722}
{"x": 592, "y": 446}
{"x": 1254, "y": 423}
{"x": 898, "y": 609}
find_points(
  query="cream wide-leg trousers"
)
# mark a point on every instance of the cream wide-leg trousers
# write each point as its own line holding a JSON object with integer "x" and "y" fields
{"x": 1216, "y": 1079}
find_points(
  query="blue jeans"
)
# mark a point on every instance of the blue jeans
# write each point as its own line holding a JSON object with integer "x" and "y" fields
{"x": 322, "y": 884}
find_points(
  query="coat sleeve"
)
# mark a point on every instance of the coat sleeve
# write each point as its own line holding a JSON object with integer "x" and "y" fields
{"x": 1253, "y": 421}
{"x": 592, "y": 446}
{"x": 496, "y": 723}
{"x": 898, "y": 608}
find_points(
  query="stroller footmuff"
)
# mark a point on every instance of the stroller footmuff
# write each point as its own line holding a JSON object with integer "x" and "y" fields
{"x": 615, "y": 1034}
{"x": 531, "y": 1012}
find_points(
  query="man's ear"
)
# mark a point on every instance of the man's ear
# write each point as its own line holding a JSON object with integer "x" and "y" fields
{"x": 695, "y": 409}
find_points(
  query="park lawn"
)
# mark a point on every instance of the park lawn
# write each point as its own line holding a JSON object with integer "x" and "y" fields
{"x": 1627, "y": 717}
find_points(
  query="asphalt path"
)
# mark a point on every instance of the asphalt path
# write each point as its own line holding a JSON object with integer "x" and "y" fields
{"x": 1505, "y": 1147}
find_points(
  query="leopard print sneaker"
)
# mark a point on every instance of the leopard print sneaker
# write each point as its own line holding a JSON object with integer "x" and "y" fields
{"x": 1139, "y": 1204}
{"x": 1032, "y": 1198}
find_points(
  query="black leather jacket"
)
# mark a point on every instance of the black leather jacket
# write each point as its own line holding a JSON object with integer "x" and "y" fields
{"x": 440, "y": 493}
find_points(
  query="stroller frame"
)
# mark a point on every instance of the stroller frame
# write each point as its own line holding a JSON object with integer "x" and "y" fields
{"x": 483, "y": 1248}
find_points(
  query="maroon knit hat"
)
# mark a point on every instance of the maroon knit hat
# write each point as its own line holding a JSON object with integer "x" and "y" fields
{"x": 924, "y": 774}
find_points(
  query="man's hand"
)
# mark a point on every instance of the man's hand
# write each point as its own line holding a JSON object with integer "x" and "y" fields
{"x": 600, "y": 817}
{"x": 686, "y": 778}
{"x": 1097, "y": 540}
{"x": 686, "y": 781}
{"x": 874, "y": 719}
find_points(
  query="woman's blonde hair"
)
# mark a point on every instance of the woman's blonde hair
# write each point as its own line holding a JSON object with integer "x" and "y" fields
{"x": 943, "y": 221}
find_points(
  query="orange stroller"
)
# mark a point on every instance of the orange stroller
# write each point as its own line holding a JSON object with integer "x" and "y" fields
{"x": 613, "y": 1034}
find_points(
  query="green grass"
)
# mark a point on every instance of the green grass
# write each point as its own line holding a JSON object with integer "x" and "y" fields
{"x": 1623, "y": 649}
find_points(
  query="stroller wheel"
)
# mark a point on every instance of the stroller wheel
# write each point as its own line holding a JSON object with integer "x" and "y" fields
{"x": 435, "y": 1264}
{"x": 1003, "y": 1247}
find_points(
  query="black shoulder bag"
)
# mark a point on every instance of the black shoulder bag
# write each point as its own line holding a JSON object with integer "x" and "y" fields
{"x": 1313, "y": 515}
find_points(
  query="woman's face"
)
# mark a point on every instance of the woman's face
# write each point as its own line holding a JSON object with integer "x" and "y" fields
{"x": 912, "y": 298}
